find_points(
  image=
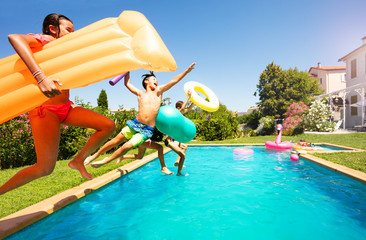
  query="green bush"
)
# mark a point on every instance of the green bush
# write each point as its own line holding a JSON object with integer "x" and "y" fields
{"x": 318, "y": 117}
{"x": 16, "y": 143}
{"x": 266, "y": 126}
{"x": 72, "y": 140}
{"x": 218, "y": 125}
{"x": 212, "y": 129}
{"x": 248, "y": 132}
{"x": 251, "y": 120}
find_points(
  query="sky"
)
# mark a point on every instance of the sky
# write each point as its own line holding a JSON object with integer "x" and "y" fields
{"x": 231, "y": 41}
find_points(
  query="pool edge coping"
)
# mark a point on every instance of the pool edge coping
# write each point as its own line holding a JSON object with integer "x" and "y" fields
{"x": 16, "y": 221}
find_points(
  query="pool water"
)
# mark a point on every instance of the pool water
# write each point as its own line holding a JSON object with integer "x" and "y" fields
{"x": 225, "y": 196}
{"x": 330, "y": 148}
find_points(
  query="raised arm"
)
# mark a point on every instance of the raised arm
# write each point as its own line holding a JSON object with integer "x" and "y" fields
{"x": 129, "y": 85}
{"x": 189, "y": 93}
{"x": 22, "y": 44}
{"x": 177, "y": 78}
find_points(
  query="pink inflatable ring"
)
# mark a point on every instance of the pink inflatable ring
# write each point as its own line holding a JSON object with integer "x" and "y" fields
{"x": 243, "y": 151}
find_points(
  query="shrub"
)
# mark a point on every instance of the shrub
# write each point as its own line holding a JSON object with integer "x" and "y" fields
{"x": 16, "y": 143}
{"x": 72, "y": 140}
{"x": 248, "y": 132}
{"x": 266, "y": 126}
{"x": 218, "y": 125}
{"x": 293, "y": 123}
{"x": 212, "y": 129}
{"x": 318, "y": 117}
{"x": 251, "y": 120}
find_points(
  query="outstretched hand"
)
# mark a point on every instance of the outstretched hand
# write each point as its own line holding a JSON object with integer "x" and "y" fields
{"x": 189, "y": 93}
{"x": 191, "y": 67}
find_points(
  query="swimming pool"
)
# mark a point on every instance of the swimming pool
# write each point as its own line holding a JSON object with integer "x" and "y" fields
{"x": 226, "y": 196}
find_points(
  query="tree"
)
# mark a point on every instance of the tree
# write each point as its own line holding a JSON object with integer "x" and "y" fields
{"x": 102, "y": 100}
{"x": 166, "y": 101}
{"x": 278, "y": 88}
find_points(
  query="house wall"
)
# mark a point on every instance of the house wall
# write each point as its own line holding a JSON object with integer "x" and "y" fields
{"x": 331, "y": 80}
{"x": 354, "y": 117}
{"x": 360, "y": 57}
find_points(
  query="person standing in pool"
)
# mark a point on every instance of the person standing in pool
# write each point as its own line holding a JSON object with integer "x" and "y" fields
{"x": 141, "y": 128}
{"x": 46, "y": 119}
{"x": 178, "y": 147}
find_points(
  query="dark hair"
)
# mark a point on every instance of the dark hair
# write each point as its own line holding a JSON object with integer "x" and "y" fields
{"x": 54, "y": 20}
{"x": 179, "y": 104}
{"x": 146, "y": 76}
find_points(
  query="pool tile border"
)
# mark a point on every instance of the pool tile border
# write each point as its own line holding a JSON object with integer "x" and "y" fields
{"x": 25, "y": 217}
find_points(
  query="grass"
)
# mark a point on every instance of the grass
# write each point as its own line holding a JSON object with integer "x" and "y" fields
{"x": 356, "y": 160}
{"x": 63, "y": 178}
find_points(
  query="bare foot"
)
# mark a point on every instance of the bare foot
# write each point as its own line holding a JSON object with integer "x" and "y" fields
{"x": 176, "y": 164}
{"x": 88, "y": 160}
{"x": 80, "y": 166}
{"x": 99, "y": 163}
{"x": 166, "y": 171}
{"x": 184, "y": 175}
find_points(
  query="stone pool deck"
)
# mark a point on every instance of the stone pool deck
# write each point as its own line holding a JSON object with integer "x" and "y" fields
{"x": 21, "y": 219}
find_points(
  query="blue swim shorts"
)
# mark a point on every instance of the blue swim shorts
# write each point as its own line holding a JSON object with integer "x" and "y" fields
{"x": 137, "y": 132}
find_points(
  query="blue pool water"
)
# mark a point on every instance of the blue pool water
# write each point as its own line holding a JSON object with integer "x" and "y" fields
{"x": 330, "y": 148}
{"x": 225, "y": 196}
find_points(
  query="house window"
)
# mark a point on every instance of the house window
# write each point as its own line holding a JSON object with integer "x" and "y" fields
{"x": 321, "y": 80}
{"x": 343, "y": 78}
{"x": 354, "y": 109}
{"x": 353, "y": 68}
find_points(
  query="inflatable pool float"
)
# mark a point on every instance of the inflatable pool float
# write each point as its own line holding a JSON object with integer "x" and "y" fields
{"x": 294, "y": 157}
{"x": 102, "y": 50}
{"x": 277, "y": 144}
{"x": 243, "y": 151}
{"x": 171, "y": 122}
{"x": 308, "y": 149}
{"x": 210, "y": 105}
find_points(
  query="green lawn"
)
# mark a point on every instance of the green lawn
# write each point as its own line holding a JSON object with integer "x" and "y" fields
{"x": 61, "y": 179}
{"x": 64, "y": 178}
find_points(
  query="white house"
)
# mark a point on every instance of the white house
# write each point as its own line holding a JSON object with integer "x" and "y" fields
{"x": 351, "y": 99}
{"x": 331, "y": 78}
{"x": 356, "y": 84}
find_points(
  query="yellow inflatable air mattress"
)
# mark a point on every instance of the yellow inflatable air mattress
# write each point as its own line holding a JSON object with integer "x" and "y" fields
{"x": 102, "y": 50}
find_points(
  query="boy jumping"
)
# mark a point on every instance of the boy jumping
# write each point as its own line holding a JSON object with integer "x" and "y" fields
{"x": 141, "y": 128}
